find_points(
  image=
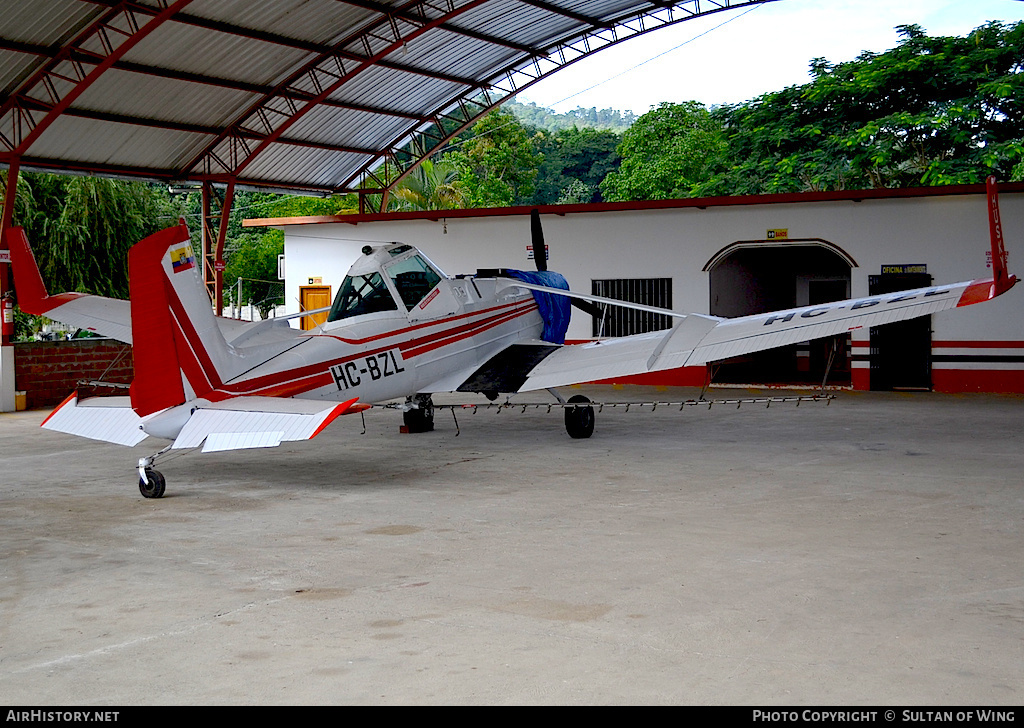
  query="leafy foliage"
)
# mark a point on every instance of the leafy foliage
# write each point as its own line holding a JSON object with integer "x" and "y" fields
{"x": 667, "y": 153}
{"x": 82, "y": 227}
{"x": 498, "y": 164}
{"x": 575, "y": 162}
{"x": 431, "y": 186}
{"x": 932, "y": 111}
{"x": 581, "y": 118}
{"x": 254, "y": 260}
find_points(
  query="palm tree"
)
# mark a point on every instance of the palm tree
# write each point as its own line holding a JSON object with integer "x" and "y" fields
{"x": 431, "y": 186}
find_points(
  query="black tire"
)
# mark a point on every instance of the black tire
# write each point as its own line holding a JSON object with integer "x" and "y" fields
{"x": 156, "y": 485}
{"x": 579, "y": 421}
{"x": 420, "y": 419}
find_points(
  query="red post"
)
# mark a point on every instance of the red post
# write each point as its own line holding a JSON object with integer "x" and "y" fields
{"x": 7, "y": 399}
{"x": 10, "y": 196}
{"x": 225, "y": 214}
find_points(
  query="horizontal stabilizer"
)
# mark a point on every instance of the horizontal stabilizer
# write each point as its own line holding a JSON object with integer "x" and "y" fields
{"x": 105, "y": 316}
{"x": 252, "y": 422}
{"x": 110, "y": 419}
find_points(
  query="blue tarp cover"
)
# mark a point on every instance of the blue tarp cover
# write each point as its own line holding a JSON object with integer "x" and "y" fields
{"x": 554, "y": 309}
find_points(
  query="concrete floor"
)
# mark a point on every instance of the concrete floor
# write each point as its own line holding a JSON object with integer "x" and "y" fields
{"x": 867, "y": 552}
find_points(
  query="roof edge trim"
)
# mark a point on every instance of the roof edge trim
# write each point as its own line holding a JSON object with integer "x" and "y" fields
{"x": 697, "y": 202}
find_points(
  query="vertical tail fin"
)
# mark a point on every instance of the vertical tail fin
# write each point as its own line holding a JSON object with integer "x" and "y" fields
{"x": 180, "y": 353}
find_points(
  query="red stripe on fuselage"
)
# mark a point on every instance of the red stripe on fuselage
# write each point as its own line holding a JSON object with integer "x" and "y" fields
{"x": 427, "y": 324}
{"x": 291, "y": 382}
{"x": 423, "y": 345}
{"x": 201, "y": 358}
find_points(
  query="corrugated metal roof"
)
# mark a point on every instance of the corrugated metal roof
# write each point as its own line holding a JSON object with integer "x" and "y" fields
{"x": 309, "y": 94}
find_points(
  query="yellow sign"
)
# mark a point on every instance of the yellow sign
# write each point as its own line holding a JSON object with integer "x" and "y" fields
{"x": 316, "y": 281}
{"x": 778, "y": 234}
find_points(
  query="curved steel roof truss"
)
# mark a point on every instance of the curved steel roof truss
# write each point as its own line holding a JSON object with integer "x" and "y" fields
{"x": 24, "y": 116}
{"x": 404, "y": 153}
{"x": 305, "y": 95}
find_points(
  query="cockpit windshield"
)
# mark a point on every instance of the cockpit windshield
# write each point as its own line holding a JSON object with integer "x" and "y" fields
{"x": 362, "y": 294}
{"x": 413, "y": 279}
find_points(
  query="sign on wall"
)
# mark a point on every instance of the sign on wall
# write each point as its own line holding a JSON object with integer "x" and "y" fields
{"x": 905, "y": 268}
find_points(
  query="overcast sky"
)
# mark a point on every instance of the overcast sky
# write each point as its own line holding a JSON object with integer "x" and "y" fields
{"x": 762, "y": 48}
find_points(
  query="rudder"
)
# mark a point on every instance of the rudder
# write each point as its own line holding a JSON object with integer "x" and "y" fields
{"x": 179, "y": 350}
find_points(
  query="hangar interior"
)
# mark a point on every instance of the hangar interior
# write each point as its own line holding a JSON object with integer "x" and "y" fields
{"x": 751, "y": 572}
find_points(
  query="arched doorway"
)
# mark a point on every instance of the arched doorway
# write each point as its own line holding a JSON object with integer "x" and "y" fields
{"x": 756, "y": 276}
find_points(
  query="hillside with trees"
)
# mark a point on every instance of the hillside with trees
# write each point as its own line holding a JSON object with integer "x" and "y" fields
{"x": 539, "y": 117}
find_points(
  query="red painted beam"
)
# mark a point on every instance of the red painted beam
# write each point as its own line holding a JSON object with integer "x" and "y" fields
{"x": 97, "y": 29}
{"x": 367, "y": 63}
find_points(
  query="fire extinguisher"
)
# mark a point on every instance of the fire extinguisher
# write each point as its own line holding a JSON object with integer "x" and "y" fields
{"x": 8, "y": 329}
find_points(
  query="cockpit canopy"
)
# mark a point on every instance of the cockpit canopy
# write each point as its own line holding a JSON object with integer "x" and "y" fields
{"x": 385, "y": 278}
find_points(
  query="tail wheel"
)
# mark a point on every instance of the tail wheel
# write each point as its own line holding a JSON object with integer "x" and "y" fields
{"x": 155, "y": 486}
{"x": 579, "y": 420}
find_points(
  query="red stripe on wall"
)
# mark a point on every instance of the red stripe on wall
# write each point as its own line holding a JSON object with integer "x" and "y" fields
{"x": 1000, "y": 381}
{"x": 978, "y": 344}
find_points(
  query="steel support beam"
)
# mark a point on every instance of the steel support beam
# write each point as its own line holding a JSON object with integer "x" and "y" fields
{"x": 7, "y": 401}
{"x": 396, "y": 161}
{"x": 216, "y": 215}
{"x": 234, "y": 150}
{"x": 28, "y": 112}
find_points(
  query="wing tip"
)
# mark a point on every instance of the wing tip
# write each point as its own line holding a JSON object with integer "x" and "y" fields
{"x": 347, "y": 407}
{"x": 985, "y": 289}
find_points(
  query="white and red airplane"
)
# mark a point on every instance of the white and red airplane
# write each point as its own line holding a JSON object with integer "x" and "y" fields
{"x": 399, "y": 327}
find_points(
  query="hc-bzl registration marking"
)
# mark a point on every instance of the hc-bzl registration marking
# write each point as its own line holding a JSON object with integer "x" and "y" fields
{"x": 376, "y": 366}
{"x": 863, "y": 303}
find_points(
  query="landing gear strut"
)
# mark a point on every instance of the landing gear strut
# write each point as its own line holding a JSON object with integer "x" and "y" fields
{"x": 418, "y": 413}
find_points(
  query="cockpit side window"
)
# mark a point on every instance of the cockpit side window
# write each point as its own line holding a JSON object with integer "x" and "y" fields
{"x": 362, "y": 294}
{"x": 413, "y": 278}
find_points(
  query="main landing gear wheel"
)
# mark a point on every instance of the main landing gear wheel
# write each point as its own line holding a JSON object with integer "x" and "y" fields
{"x": 156, "y": 485}
{"x": 419, "y": 414}
{"x": 579, "y": 421}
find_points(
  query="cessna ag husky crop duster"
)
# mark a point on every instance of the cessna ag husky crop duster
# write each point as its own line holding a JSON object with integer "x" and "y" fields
{"x": 398, "y": 328}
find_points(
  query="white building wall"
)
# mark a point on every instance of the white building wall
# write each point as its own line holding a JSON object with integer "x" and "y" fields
{"x": 947, "y": 233}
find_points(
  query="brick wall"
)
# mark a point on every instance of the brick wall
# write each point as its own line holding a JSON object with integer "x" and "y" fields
{"x": 48, "y": 371}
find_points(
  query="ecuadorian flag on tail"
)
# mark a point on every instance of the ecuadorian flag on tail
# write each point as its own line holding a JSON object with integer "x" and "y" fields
{"x": 182, "y": 259}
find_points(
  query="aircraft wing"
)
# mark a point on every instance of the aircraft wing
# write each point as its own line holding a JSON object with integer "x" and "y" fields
{"x": 111, "y": 317}
{"x": 698, "y": 339}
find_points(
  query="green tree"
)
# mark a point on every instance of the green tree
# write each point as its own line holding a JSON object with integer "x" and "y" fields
{"x": 431, "y": 186}
{"x": 497, "y": 165}
{"x": 82, "y": 227}
{"x": 254, "y": 260}
{"x": 540, "y": 118}
{"x": 942, "y": 110}
{"x": 667, "y": 153}
{"x": 22, "y": 196}
{"x": 575, "y": 162}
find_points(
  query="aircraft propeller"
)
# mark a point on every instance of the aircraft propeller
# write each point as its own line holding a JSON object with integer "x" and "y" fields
{"x": 540, "y": 259}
